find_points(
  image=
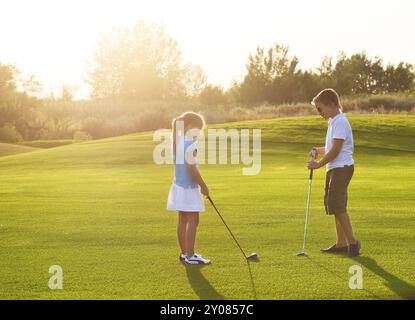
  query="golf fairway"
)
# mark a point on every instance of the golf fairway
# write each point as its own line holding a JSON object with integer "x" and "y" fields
{"x": 97, "y": 209}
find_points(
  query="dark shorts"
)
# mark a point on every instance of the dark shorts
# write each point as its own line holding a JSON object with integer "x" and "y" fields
{"x": 335, "y": 196}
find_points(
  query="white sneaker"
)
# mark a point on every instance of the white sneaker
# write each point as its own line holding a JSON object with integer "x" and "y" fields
{"x": 186, "y": 260}
{"x": 182, "y": 257}
{"x": 198, "y": 259}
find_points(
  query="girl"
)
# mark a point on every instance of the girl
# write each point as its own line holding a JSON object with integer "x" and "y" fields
{"x": 185, "y": 194}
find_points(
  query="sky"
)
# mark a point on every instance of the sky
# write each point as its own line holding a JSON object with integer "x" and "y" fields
{"x": 53, "y": 39}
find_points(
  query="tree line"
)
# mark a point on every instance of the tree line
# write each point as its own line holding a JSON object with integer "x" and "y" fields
{"x": 274, "y": 77}
{"x": 139, "y": 82}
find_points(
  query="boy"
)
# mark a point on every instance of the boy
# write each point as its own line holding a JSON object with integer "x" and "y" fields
{"x": 338, "y": 158}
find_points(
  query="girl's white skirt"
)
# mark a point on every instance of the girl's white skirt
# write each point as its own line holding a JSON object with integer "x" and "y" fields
{"x": 185, "y": 199}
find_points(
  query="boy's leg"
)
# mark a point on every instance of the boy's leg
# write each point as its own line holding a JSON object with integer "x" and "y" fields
{"x": 181, "y": 230}
{"x": 193, "y": 221}
{"x": 337, "y": 202}
{"x": 346, "y": 226}
{"x": 341, "y": 239}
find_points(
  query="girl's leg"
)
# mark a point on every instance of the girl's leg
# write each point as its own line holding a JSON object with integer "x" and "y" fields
{"x": 341, "y": 240}
{"x": 193, "y": 221}
{"x": 181, "y": 230}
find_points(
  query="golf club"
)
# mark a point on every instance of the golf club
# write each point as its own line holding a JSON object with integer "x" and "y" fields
{"x": 303, "y": 253}
{"x": 252, "y": 256}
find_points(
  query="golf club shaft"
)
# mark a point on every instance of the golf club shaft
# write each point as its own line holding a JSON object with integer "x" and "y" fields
{"x": 307, "y": 210}
{"x": 223, "y": 220}
{"x": 313, "y": 157}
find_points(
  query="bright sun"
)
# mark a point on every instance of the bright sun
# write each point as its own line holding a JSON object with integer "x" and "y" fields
{"x": 54, "y": 38}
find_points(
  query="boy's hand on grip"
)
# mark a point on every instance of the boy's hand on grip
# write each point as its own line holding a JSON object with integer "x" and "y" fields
{"x": 313, "y": 153}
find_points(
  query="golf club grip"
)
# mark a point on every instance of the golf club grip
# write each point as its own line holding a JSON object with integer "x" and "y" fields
{"x": 313, "y": 157}
{"x": 223, "y": 220}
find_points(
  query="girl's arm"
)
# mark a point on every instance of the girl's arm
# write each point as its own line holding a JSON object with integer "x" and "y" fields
{"x": 194, "y": 172}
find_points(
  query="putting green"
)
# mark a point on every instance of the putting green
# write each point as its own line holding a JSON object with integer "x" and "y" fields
{"x": 97, "y": 209}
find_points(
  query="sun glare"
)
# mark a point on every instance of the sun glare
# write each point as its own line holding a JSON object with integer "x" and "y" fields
{"x": 54, "y": 39}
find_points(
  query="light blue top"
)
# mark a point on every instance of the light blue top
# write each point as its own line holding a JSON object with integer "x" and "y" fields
{"x": 182, "y": 177}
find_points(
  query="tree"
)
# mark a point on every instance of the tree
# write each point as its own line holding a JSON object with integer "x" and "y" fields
{"x": 8, "y": 85}
{"x": 400, "y": 79}
{"x": 8, "y": 82}
{"x": 212, "y": 96}
{"x": 68, "y": 93}
{"x": 271, "y": 76}
{"x": 194, "y": 80}
{"x": 325, "y": 73}
{"x": 31, "y": 85}
{"x": 16, "y": 107}
{"x": 358, "y": 74}
{"x": 255, "y": 85}
{"x": 142, "y": 62}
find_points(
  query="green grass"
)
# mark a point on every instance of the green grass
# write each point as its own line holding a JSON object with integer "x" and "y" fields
{"x": 98, "y": 210}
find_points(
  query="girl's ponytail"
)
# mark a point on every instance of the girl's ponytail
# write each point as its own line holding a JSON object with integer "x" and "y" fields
{"x": 174, "y": 133}
{"x": 187, "y": 118}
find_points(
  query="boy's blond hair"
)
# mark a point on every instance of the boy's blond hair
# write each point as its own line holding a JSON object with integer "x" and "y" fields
{"x": 327, "y": 97}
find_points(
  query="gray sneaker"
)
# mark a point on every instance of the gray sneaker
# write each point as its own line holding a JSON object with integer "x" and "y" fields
{"x": 354, "y": 249}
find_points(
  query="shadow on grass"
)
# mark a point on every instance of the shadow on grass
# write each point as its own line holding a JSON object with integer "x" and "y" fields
{"x": 338, "y": 275}
{"x": 253, "y": 288}
{"x": 402, "y": 288}
{"x": 200, "y": 285}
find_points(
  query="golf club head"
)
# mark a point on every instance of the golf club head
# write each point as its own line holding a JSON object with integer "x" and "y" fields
{"x": 252, "y": 257}
{"x": 301, "y": 254}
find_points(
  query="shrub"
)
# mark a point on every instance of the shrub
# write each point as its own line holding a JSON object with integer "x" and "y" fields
{"x": 81, "y": 136}
{"x": 9, "y": 134}
{"x": 380, "y": 103}
{"x": 46, "y": 144}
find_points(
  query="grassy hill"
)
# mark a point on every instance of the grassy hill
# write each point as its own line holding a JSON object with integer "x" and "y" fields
{"x": 7, "y": 149}
{"x": 98, "y": 210}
